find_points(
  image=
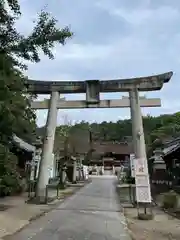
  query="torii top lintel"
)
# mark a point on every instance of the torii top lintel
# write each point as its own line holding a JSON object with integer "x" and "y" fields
{"x": 150, "y": 83}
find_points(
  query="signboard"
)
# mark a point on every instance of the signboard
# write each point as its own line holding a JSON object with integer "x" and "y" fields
{"x": 143, "y": 192}
{"x": 132, "y": 158}
{"x": 51, "y": 167}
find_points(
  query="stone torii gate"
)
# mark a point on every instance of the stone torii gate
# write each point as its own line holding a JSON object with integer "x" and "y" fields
{"x": 93, "y": 88}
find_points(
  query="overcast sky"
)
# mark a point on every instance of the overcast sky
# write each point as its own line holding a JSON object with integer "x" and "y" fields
{"x": 112, "y": 39}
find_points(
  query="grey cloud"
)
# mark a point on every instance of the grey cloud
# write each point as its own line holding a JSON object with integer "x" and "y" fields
{"x": 139, "y": 4}
{"x": 130, "y": 4}
{"x": 100, "y": 27}
{"x": 92, "y": 24}
{"x": 156, "y": 4}
{"x": 88, "y": 22}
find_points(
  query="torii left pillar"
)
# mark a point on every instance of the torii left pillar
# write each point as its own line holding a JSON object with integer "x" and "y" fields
{"x": 47, "y": 150}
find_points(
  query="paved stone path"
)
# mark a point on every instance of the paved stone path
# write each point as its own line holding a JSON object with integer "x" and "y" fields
{"x": 91, "y": 214}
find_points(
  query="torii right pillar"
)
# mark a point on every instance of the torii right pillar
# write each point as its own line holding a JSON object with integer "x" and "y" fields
{"x": 143, "y": 192}
{"x": 137, "y": 125}
{"x": 152, "y": 83}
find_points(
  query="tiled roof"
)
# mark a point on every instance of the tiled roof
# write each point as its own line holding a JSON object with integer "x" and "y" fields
{"x": 171, "y": 149}
{"x": 117, "y": 148}
{"x": 23, "y": 145}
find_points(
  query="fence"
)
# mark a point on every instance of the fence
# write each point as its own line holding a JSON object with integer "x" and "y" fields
{"x": 163, "y": 186}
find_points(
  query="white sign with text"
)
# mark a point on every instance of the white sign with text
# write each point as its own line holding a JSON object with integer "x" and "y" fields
{"x": 132, "y": 158}
{"x": 143, "y": 191}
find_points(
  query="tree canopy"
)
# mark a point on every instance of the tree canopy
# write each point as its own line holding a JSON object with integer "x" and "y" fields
{"x": 15, "y": 112}
{"x": 162, "y": 127}
{"x": 16, "y": 116}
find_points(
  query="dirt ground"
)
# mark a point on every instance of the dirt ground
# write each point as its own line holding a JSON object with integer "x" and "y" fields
{"x": 162, "y": 227}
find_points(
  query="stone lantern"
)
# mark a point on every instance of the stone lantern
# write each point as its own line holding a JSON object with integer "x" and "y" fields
{"x": 160, "y": 175}
{"x": 159, "y": 162}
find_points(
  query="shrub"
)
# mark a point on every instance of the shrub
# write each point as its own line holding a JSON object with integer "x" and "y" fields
{"x": 130, "y": 180}
{"x": 10, "y": 179}
{"x": 170, "y": 200}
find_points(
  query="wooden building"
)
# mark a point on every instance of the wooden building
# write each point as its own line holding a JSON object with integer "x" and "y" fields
{"x": 169, "y": 176}
{"x": 111, "y": 154}
{"x": 24, "y": 153}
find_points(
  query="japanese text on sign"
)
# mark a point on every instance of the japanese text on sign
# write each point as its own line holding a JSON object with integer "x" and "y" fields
{"x": 140, "y": 166}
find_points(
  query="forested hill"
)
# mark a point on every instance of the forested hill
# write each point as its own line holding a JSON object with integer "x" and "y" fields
{"x": 163, "y": 127}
